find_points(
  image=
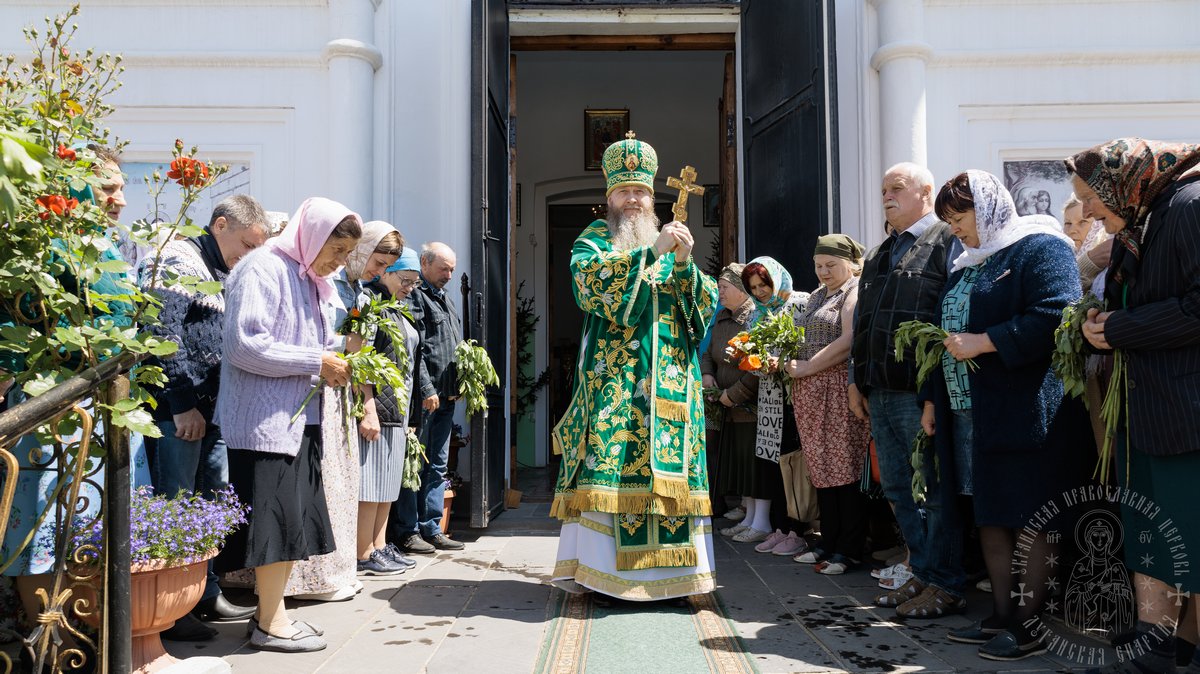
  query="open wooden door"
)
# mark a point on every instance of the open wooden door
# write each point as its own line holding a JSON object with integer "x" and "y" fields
{"x": 788, "y": 137}
{"x": 488, "y": 310}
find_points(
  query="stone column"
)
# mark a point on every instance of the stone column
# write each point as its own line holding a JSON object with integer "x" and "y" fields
{"x": 900, "y": 61}
{"x": 352, "y": 59}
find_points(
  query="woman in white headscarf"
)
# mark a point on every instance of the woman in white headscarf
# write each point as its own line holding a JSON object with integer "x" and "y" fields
{"x": 1002, "y": 431}
{"x": 333, "y": 577}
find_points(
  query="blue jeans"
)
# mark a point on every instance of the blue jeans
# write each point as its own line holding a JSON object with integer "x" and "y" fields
{"x": 934, "y": 532}
{"x": 199, "y": 466}
{"x": 421, "y": 512}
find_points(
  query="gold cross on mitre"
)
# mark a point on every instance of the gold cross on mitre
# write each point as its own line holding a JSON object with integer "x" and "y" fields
{"x": 686, "y": 184}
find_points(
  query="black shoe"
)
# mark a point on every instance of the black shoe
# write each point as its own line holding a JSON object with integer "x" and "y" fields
{"x": 444, "y": 542}
{"x": 188, "y": 628}
{"x": 975, "y": 633}
{"x": 379, "y": 564}
{"x": 1005, "y": 648}
{"x": 393, "y": 553}
{"x": 219, "y": 609}
{"x": 413, "y": 544}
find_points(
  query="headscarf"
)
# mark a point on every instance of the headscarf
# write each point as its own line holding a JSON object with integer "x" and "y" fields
{"x": 307, "y": 232}
{"x": 373, "y": 233}
{"x": 732, "y": 274}
{"x": 839, "y": 245}
{"x": 998, "y": 223}
{"x": 1128, "y": 174}
{"x": 408, "y": 261}
{"x": 781, "y": 282}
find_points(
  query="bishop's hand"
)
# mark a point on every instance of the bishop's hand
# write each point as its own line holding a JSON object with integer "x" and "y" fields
{"x": 682, "y": 239}
{"x": 666, "y": 242}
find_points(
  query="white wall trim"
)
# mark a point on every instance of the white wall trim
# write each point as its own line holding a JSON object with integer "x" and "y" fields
{"x": 624, "y": 21}
{"x": 224, "y": 59}
{"x": 346, "y": 47}
{"x": 901, "y": 49}
{"x": 1052, "y": 58}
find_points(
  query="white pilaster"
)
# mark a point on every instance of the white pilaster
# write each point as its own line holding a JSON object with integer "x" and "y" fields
{"x": 900, "y": 61}
{"x": 352, "y": 59}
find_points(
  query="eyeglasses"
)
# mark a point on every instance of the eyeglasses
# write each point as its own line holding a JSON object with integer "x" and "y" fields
{"x": 408, "y": 283}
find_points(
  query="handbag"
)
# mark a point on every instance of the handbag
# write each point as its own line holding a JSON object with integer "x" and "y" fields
{"x": 799, "y": 490}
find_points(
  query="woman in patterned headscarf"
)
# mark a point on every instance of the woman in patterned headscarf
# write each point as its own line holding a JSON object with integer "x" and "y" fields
{"x": 1002, "y": 431}
{"x": 1148, "y": 194}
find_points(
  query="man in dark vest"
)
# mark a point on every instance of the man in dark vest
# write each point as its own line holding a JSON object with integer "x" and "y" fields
{"x": 902, "y": 280}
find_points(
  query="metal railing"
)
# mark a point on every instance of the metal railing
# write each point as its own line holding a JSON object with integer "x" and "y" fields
{"x": 88, "y": 588}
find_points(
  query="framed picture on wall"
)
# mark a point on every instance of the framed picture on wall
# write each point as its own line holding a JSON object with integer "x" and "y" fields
{"x": 1038, "y": 186}
{"x": 601, "y": 128}
{"x": 712, "y": 205}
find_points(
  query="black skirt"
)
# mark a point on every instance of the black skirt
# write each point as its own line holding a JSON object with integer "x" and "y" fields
{"x": 288, "y": 520}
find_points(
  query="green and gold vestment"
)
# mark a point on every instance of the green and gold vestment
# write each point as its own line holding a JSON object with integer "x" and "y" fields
{"x": 632, "y": 440}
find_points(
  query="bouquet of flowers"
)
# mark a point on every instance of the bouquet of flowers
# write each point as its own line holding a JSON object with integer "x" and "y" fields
{"x": 772, "y": 339}
{"x": 926, "y": 340}
{"x": 475, "y": 374}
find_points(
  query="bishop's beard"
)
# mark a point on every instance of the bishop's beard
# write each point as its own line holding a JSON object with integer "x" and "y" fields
{"x": 635, "y": 231}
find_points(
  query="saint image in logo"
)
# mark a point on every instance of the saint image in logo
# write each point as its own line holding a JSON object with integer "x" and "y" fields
{"x": 1099, "y": 596}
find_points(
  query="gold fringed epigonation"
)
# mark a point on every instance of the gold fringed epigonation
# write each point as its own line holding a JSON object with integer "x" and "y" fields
{"x": 671, "y": 410}
{"x": 674, "y": 488}
{"x": 573, "y": 504}
{"x": 633, "y": 560}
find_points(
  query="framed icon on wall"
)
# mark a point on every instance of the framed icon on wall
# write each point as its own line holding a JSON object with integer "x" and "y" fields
{"x": 601, "y": 128}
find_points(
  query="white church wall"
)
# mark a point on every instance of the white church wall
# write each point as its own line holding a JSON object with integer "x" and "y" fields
{"x": 1010, "y": 80}
{"x": 672, "y": 98}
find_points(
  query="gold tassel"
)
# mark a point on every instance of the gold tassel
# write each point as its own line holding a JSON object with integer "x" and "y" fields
{"x": 671, "y": 410}
{"x": 631, "y": 560}
{"x": 556, "y": 444}
{"x": 674, "y": 488}
{"x": 585, "y": 500}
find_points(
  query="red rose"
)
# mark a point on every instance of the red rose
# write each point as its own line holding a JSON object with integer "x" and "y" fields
{"x": 53, "y": 203}
{"x": 188, "y": 172}
{"x": 65, "y": 153}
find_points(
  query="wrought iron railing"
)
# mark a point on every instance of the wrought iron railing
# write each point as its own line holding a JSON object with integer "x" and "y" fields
{"x": 83, "y": 620}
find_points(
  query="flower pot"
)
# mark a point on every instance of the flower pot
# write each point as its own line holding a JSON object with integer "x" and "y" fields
{"x": 447, "y": 500}
{"x": 160, "y": 594}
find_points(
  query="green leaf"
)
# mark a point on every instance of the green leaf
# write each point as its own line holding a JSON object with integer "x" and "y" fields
{"x": 113, "y": 266}
{"x": 209, "y": 287}
{"x": 137, "y": 420}
{"x": 163, "y": 348}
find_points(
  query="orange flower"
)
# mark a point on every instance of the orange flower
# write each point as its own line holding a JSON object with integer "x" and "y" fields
{"x": 743, "y": 337}
{"x": 55, "y": 204}
{"x": 754, "y": 361}
{"x": 355, "y": 313}
{"x": 65, "y": 153}
{"x": 188, "y": 172}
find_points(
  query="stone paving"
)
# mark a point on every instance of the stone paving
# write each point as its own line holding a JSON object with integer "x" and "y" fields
{"x": 484, "y": 609}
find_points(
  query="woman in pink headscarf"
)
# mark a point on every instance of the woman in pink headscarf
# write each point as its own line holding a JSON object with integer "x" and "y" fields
{"x": 277, "y": 346}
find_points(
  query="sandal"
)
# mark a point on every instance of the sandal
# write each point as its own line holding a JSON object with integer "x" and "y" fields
{"x": 934, "y": 602}
{"x": 835, "y": 565}
{"x": 900, "y": 595}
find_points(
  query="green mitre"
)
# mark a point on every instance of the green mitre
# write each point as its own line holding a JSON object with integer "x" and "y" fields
{"x": 629, "y": 162}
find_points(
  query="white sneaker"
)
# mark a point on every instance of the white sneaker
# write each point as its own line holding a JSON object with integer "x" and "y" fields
{"x": 770, "y": 542}
{"x": 735, "y": 515}
{"x": 345, "y": 593}
{"x": 751, "y": 535}
{"x": 734, "y": 530}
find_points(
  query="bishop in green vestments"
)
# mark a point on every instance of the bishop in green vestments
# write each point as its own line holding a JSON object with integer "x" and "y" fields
{"x": 632, "y": 488}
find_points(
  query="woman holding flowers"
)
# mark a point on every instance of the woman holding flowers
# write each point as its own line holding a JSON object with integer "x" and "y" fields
{"x": 833, "y": 440}
{"x": 1002, "y": 430}
{"x": 770, "y": 287}
{"x": 729, "y": 456}
{"x": 278, "y": 343}
{"x": 1148, "y": 194}
{"x": 385, "y": 459}
{"x": 333, "y": 577}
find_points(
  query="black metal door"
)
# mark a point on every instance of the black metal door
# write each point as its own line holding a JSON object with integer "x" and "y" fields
{"x": 788, "y": 141}
{"x": 489, "y": 296}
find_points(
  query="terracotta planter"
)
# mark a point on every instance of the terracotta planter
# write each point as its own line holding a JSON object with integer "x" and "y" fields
{"x": 160, "y": 595}
{"x": 447, "y": 501}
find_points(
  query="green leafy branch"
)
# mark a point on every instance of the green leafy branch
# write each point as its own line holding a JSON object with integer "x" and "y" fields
{"x": 475, "y": 374}
{"x": 926, "y": 341}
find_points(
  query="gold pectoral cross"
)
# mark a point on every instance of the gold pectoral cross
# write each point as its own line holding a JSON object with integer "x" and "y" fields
{"x": 686, "y": 184}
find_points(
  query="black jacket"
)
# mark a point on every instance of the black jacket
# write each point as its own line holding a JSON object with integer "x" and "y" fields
{"x": 1158, "y": 328}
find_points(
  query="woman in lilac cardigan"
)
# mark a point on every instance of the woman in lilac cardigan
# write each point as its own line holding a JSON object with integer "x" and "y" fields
{"x": 277, "y": 346}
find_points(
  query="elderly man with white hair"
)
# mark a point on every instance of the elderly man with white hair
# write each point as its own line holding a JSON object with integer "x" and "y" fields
{"x": 902, "y": 280}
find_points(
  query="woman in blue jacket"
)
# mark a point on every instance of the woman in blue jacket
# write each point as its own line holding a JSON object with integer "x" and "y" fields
{"x": 1003, "y": 426}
